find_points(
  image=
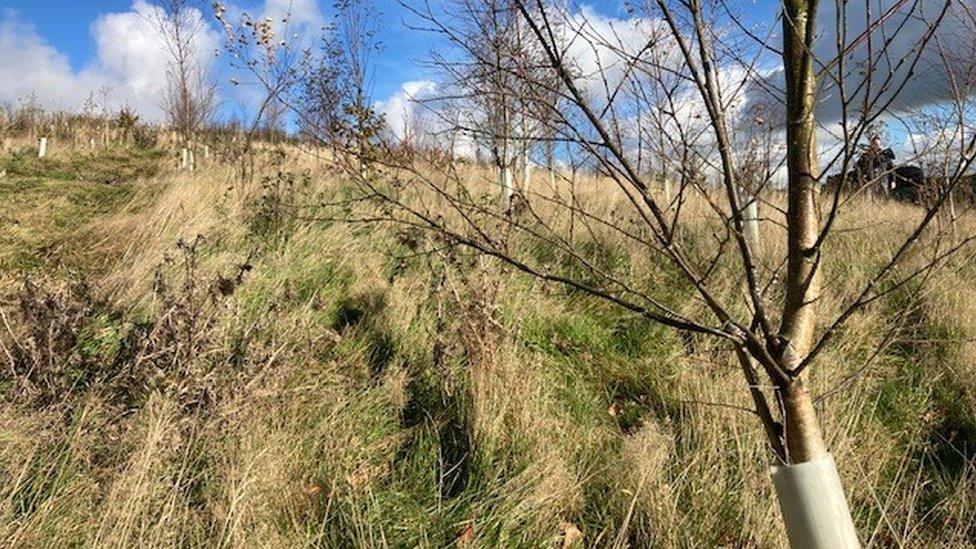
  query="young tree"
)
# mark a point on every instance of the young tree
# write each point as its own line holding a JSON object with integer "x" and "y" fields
{"x": 489, "y": 81}
{"x": 324, "y": 90}
{"x": 680, "y": 77}
{"x": 191, "y": 93}
{"x": 493, "y": 74}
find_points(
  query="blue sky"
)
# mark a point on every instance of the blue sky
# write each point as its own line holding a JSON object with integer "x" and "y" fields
{"x": 63, "y": 50}
{"x": 64, "y": 37}
{"x": 40, "y": 42}
{"x": 66, "y": 25}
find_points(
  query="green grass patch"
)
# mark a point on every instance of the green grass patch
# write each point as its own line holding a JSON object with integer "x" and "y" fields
{"x": 115, "y": 165}
{"x": 47, "y": 204}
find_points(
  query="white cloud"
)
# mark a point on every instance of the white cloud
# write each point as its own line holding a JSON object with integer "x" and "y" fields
{"x": 130, "y": 61}
{"x": 299, "y": 15}
{"x": 402, "y": 110}
{"x": 29, "y": 65}
{"x": 133, "y": 58}
{"x": 595, "y": 42}
{"x": 418, "y": 114}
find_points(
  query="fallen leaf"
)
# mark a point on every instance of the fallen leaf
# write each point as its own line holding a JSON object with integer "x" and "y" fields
{"x": 313, "y": 490}
{"x": 358, "y": 478}
{"x": 466, "y": 539}
{"x": 571, "y": 534}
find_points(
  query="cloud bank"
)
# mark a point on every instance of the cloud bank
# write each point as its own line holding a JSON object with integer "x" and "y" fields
{"x": 129, "y": 66}
{"x": 904, "y": 66}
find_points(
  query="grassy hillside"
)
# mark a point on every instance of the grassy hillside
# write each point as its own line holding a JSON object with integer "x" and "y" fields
{"x": 193, "y": 360}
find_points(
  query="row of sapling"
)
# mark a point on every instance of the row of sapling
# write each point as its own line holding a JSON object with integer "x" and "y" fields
{"x": 189, "y": 101}
{"x": 493, "y": 100}
{"x": 91, "y": 127}
{"x": 689, "y": 98}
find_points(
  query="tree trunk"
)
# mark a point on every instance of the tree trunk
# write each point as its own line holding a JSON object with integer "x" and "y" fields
{"x": 804, "y": 441}
{"x": 803, "y": 260}
{"x": 505, "y": 180}
{"x": 751, "y": 215}
{"x": 551, "y": 164}
{"x": 811, "y": 498}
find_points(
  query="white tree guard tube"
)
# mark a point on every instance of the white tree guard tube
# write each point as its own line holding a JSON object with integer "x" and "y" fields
{"x": 814, "y": 508}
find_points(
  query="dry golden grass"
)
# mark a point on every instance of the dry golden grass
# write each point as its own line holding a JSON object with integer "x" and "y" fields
{"x": 364, "y": 403}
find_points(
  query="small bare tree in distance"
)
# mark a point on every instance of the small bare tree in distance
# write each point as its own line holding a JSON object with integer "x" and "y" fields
{"x": 191, "y": 93}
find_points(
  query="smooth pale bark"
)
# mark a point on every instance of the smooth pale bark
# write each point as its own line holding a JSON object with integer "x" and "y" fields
{"x": 802, "y": 273}
{"x": 42, "y": 148}
{"x": 751, "y": 218}
{"x": 952, "y": 211}
{"x": 505, "y": 180}
{"x": 810, "y": 495}
{"x": 804, "y": 440}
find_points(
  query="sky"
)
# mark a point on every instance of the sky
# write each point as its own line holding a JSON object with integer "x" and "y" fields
{"x": 52, "y": 48}
{"x": 62, "y": 51}
{"x": 57, "y": 48}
